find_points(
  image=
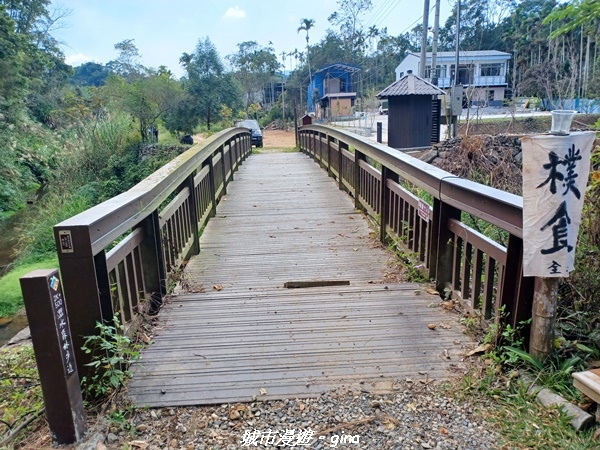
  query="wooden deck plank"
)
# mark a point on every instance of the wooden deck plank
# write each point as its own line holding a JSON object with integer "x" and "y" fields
{"x": 283, "y": 220}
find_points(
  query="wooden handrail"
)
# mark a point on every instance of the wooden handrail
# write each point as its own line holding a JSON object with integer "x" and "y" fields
{"x": 495, "y": 206}
{"x": 456, "y": 256}
{"x": 99, "y": 284}
{"x": 110, "y": 219}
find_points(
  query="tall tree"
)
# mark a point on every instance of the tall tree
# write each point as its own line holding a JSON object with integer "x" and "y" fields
{"x": 254, "y": 66}
{"x": 575, "y": 14}
{"x": 348, "y": 19}
{"x": 147, "y": 98}
{"x": 127, "y": 64}
{"x": 306, "y": 25}
{"x": 207, "y": 84}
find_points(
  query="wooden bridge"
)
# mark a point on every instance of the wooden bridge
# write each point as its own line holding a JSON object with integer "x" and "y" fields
{"x": 289, "y": 291}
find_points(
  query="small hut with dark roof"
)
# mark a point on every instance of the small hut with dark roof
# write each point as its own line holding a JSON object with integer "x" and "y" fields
{"x": 414, "y": 112}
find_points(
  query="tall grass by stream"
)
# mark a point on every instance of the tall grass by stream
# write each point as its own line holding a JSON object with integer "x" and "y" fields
{"x": 90, "y": 162}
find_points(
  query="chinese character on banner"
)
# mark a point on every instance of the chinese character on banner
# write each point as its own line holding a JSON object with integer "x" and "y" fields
{"x": 555, "y": 175}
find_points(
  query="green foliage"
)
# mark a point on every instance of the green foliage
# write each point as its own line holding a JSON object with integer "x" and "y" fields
{"x": 20, "y": 391}
{"x": 27, "y": 160}
{"x": 517, "y": 417}
{"x": 254, "y": 66}
{"x": 37, "y": 239}
{"x": 208, "y": 89}
{"x": 146, "y": 98}
{"x": 11, "y": 299}
{"x": 578, "y": 307}
{"x": 90, "y": 74}
{"x": 112, "y": 353}
{"x": 576, "y": 14}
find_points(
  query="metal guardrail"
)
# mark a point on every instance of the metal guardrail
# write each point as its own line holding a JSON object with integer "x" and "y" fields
{"x": 156, "y": 227}
{"x": 485, "y": 275}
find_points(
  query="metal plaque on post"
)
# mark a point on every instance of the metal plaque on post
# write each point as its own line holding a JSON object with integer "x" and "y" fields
{"x": 53, "y": 347}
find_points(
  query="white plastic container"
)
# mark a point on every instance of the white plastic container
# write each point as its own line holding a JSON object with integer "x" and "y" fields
{"x": 561, "y": 121}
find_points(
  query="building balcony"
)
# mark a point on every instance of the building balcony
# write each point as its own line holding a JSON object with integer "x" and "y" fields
{"x": 477, "y": 82}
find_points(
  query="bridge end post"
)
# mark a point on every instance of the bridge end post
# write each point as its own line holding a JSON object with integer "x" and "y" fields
{"x": 86, "y": 286}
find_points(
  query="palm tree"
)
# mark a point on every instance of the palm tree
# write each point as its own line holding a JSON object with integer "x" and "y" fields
{"x": 305, "y": 25}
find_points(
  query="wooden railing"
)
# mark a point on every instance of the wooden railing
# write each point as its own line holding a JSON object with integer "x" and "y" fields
{"x": 486, "y": 276}
{"x": 152, "y": 229}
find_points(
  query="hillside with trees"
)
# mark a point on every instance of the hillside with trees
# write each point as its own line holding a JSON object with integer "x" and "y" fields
{"x": 45, "y": 104}
{"x": 72, "y": 137}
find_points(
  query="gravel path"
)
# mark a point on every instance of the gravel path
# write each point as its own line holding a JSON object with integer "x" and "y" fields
{"x": 416, "y": 415}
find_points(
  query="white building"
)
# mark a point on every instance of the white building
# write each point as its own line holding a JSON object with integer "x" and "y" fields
{"x": 483, "y": 70}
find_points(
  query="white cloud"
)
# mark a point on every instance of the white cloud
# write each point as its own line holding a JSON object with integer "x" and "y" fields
{"x": 77, "y": 59}
{"x": 235, "y": 13}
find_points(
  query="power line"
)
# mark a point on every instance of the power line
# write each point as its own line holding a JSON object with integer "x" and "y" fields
{"x": 390, "y": 11}
{"x": 375, "y": 17}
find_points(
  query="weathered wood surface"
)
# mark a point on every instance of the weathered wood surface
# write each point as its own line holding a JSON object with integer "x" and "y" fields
{"x": 240, "y": 334}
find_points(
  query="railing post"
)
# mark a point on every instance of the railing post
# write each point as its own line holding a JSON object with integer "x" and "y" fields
{"x": 191, "y": 185}
{"x": 384, "y": 201}
{"x": 213, "y": 189}
{"x": 341, "y": 146}
{"x": 379, "y": 132}
{"x": 541, "y": 341}
{"x": 358, "y": 157}
{"x": 53, "y": 347}
{"x": 231, "y": 161}
{"x": 223, "y": 169}
{"x": 441, "y": 249}
{"x": 86, "y": 287}
{"x": 516, "y": 290}
{"x": 328, "y": 144}
{"x": 152, "y": 254}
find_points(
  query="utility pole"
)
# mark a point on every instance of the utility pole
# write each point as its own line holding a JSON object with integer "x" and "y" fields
{"x": 283, "y": 91}
{"x": 424, "y": 38}
{"x": 436, "y": 29}
{"x": 456, "y": 61}
{"x": 457, "y": 43}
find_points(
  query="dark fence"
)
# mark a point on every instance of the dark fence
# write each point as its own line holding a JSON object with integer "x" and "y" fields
{"x": 486, "y": 276}
{"x": 124, "y": 251}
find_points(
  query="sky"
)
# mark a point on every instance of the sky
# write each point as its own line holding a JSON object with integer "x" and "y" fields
{"x": 163, "y": 30}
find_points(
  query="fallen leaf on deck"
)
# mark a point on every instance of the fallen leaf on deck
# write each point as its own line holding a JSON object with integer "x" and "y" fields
{"x": 431, "y": 326}
{"x": 480, "y": 349}
{"x": 432, "y": 291}
{"x": 218, "y": 287}
{"x": 262, "y": 391}
{"x": 449, "y": 305}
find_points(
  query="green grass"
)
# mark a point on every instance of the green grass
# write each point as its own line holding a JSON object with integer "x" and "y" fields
{"x": 520, "y": 421}
{"x": 11, "y": 299}
{"x": 20, "y": 390}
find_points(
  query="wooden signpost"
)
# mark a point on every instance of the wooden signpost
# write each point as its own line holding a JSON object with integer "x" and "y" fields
{"x": 53, "y": 347}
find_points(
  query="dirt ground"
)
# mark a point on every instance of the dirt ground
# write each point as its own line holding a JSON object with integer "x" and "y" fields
{"x": 272, "y": 139}
{"x": 278, "y": 139}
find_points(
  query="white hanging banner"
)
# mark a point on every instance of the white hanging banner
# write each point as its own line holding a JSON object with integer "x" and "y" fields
{"x": 555, "y": 176}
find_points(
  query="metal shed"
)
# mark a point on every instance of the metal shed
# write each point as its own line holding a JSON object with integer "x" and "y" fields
{"x": 413, "y": 112}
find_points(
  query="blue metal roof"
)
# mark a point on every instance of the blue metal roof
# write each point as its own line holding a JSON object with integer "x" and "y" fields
{"x": 339, "y": 66}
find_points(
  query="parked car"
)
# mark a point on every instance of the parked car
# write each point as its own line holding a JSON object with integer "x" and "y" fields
{"x": 257, "y": 136}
